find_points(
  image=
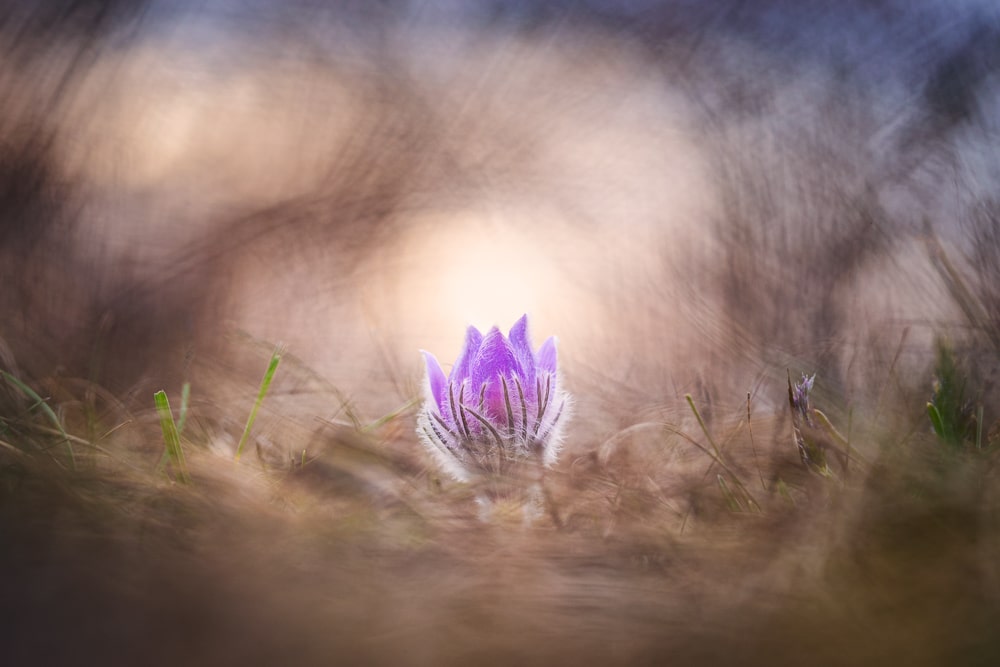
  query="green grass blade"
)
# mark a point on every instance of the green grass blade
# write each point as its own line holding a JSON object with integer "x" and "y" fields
{"x": 47, "y": 409}
{"x": 715, "y": 461}
{"x": 848, "y": 451}
{"x": 731, "y": 500}
{"x": 265, "y": 384}
{"x": 704, "y": 427}
{"x": 936, "y": 420}
{"x": 185, "y": 401}
{"x": 979, "y": 427}
{"x": 164, "y": 459}
{"x": 170, "y": 435}
{"x": 381, "y": 421}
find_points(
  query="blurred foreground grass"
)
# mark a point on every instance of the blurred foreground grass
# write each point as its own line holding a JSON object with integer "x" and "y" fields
{"x": 136, "y": 535}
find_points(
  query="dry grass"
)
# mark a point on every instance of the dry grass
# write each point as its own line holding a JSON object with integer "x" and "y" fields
{"x": 702, "y": 203}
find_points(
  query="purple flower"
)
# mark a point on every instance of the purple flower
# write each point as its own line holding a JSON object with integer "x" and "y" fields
{"x": 501, "y": 404}
{"x": 798, "y": 396}
{"x": 803, "y": 425}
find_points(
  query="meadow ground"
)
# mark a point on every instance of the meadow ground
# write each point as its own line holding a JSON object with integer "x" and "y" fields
{"x": 706, "y": 202}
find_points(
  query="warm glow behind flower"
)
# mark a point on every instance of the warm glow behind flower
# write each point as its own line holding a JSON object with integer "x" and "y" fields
{"x": 501, "y": 404}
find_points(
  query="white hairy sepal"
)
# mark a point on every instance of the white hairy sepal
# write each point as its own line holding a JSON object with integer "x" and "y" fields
{"x": 469, "y": 443}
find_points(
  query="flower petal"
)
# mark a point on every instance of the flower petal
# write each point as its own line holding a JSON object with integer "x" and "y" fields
{"x": 436, "y": 383}
{"x": 546, "y": 357}
{"x": 525, "y": 357}
{"x": 460, "y": 371}
{"x": 495, "y": 358}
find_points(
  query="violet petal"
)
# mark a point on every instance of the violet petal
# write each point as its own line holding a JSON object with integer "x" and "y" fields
{"x": 473, "y": 341}
{"x": 495, "y": 358}
{"x": 546, "y": 356}
{"x": 525, "y": 357}
{"x": 436, "y": 381}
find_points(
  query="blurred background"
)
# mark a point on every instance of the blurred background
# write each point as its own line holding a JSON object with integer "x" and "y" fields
{"x": 696, "y": 197}
{"x": 686, "y": 193}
